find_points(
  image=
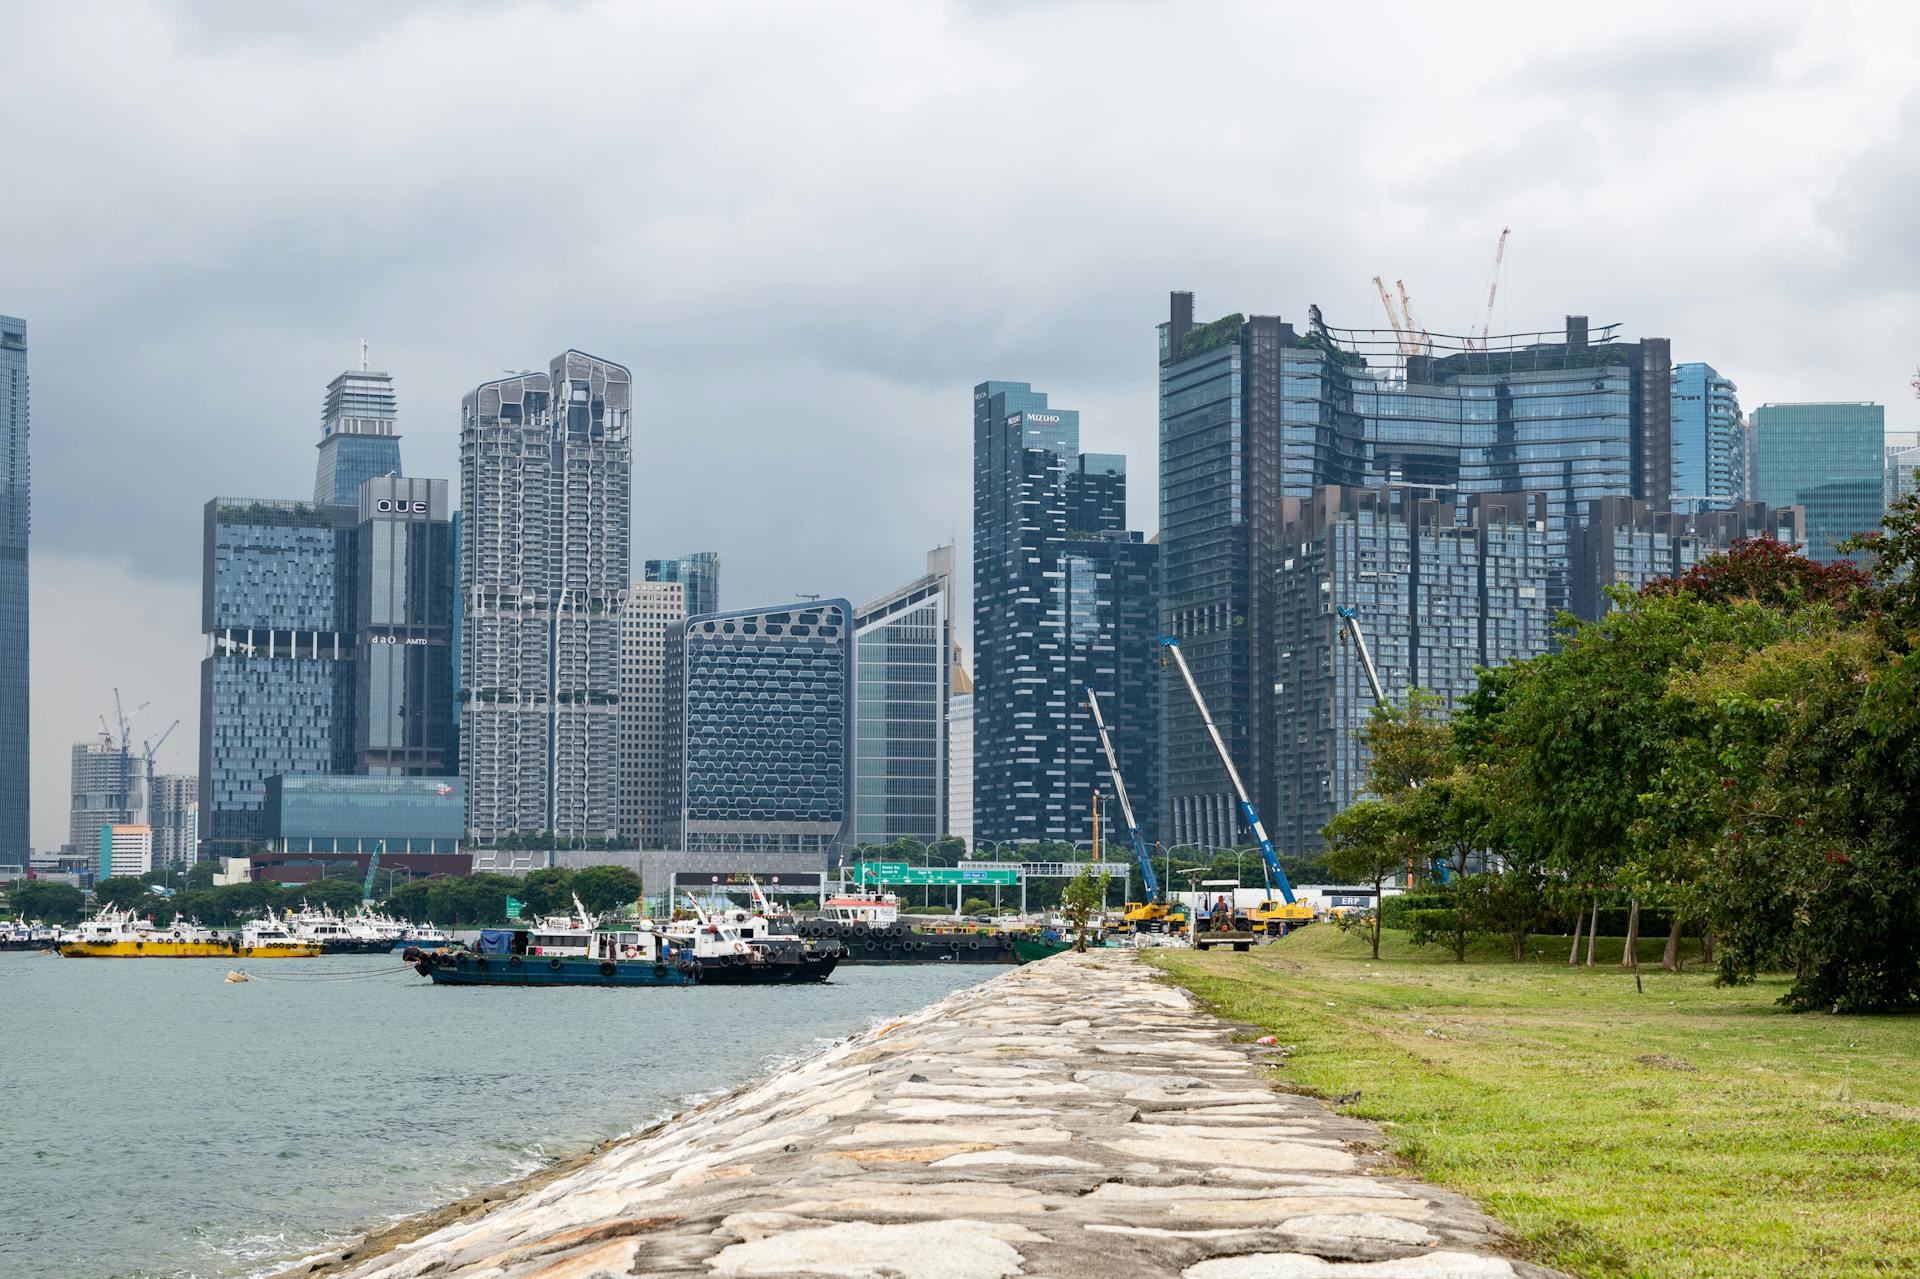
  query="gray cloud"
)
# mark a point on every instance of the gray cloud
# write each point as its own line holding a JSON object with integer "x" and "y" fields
{"x": 811, "y": 229}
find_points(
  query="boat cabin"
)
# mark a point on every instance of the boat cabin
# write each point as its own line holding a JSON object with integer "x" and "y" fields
{"x": 878, "y": 908}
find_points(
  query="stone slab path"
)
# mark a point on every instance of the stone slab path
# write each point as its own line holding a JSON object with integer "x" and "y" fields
{"x": 1076, "y": 1118}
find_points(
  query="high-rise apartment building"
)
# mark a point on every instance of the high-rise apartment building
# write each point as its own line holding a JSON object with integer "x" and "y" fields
{"x": 652, "y": 610}
{"x": 359, "y": 436}
{"x": 1902, "y": 473}
{"x": 16, "y": 844}
{"x": 1829, "y": 459}
{"x": 546, "y": 471}
{"x": 1064, "y": 599}
{"x": 764, "y": 720}
{"x": 173, "y": 811}
{"x": 109, "y": 787}
{"x": 699, "y": 573}
{"x": 1254, "y": 411}
{"x": 1626, "y": 543}
{"x": 960, "y": 752}
{"x": 1439, "y": 592}
{"x": 1709, "y": 440}
{"x": 277, "y": 682}
{"x": 901, "y": 668}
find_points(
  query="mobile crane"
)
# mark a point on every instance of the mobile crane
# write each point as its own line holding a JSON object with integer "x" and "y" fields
{"x": 1271, "y": 916}
{"x": 1350, "y": 623}
{"x": 1153, "y": 913}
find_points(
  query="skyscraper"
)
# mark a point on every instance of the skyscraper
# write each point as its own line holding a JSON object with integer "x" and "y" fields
{"x": 1064, "y": 599}
{"x": 546, "y": 472}
{"x": 359, "y": 436}
{"x": 901, "y": 647}
{"x": 653, "y": 609}
{"x": 1709, "y": 440}
{"x": 765, "y": 725}
{"x": 403, "y": 685}
{"x": 1624, "y": 542}
{"x": 277, "y": 682}
{"x": 698, "y": 572}
{"x": 1254, "y": 411}
{"x": 108, "y": 786}
{"x": 1437, "y": 596}
{"x": 16, "y": 845}
{"x": 173, "y": 810}
{"x": 1828, "y": 458}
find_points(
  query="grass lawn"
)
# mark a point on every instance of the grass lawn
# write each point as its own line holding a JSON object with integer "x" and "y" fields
{"x": 1685, "y": 1131}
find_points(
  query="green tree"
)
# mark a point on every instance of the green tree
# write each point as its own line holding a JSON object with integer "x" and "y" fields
{"x": 1084, "y": 898}
{"x": 1407, "y": 744}
{"x": 199, "y": 875}
{"x": 121, "y": 891}
{"x": 548, "y": 891}
{"x": 339, "y": 894}
{"x": 1365, "y": 845}
{"x": 51, "y": 903}
{"x": 604, "y": 888}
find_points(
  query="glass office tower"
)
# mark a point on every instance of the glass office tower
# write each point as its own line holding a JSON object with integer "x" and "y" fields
{"x": 765, "y": 723}
{"x": 699, "y": 573}
{"x": 1828, "y": 458}
{"x": 1709, "y": 440}
{"x": 359, "y": 436}
{"x": 1255, "y": 411}
{"x": 16, "y": 845}
{"x": 278, "y": 606}
{"x": 1064, "y": 599}
{"x": 901, "y": 670}
{"x": 654, "y": 609}
{"x": 403, "y": 700}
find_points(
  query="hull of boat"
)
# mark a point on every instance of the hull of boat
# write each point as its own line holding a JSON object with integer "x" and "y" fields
{"x": 772, "y": 974}
{"x": 185, "y": 950}
{"x": 513, "y": 970}
{"x": 1028, "y": 951}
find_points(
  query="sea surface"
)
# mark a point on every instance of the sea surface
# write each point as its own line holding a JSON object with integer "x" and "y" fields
{"x": 157, "y": 1122}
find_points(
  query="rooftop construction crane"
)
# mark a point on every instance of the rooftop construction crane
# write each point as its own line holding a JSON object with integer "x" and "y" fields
{"x": 1153, "y": 911}
{"x": 1493, "y": 288}
{"x": 1402, "y": 330}
{"x": 1269, "y": 859}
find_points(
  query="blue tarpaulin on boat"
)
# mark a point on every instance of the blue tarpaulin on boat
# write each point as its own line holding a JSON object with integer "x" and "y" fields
{"x": 495, "y": 941}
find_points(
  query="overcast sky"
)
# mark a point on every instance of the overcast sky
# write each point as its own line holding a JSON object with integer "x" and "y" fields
{"x": 810, "y": 229}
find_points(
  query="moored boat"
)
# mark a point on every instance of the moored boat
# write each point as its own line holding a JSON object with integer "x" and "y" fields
{"x": 119, "y": 934}
{"x": 616, "y": 955}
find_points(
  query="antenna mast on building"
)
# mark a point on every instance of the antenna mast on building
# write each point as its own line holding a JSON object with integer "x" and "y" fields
{"x": 363, "y": 355}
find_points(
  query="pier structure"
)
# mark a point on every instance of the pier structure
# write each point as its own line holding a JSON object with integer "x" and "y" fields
{"x": 1071, "y": 1117}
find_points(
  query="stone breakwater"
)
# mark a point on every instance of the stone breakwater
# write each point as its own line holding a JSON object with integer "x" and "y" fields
{"x": 1076, "y": 1117}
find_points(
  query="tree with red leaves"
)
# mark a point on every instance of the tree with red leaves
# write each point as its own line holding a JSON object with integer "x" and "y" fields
{"x": 1769, "y": 572}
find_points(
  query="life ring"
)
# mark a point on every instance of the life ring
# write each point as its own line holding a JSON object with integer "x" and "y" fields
{"x": 629, "y": 952}
{"x": 606, "y": 967}
{"x": 739, "y": 948}
{"x": 554, "y": 963}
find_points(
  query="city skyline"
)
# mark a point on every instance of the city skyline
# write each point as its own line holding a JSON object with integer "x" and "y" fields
{"x": 862, "y": 331}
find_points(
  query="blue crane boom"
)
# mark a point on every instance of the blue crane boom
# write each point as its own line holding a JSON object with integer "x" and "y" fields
{"x": 1150, "y": 880}
{"x": 1270, "y": 859}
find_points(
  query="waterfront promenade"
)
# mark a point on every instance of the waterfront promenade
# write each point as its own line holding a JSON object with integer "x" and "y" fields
{"x": 1075, "y": 1117}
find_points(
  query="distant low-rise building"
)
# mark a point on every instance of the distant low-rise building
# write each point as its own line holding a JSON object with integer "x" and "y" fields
{"x": 125, "y": 849}
{"x": 318, "y": 827}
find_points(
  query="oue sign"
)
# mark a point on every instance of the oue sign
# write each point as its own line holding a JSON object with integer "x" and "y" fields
{"x": 387, "y": 506}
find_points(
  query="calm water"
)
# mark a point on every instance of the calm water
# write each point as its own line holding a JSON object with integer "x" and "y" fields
{"x": 157, "y": 1122}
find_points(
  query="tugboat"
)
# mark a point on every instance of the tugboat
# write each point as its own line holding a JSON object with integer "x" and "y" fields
{"x": 741, "y": 948}
{"x": 617, "y": 955}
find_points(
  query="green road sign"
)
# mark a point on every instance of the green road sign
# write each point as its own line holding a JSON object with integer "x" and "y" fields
{"x": 514, "y": 907}
{"x": 901, "y": 873}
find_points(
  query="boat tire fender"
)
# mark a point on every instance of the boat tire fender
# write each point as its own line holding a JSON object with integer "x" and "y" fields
{"x": 513, "y": 961}
{"x": 606, "y": 967}
{"x": 659, "y": 968}
{"x": 974, "y": 944}
{"x": 554, "y": 964}
{"x": 460, "y": 962}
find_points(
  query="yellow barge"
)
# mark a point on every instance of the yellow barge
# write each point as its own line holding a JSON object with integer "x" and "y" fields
{"x": 116, "y": 934}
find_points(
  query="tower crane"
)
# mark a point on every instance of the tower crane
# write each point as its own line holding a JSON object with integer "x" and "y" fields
{"x": 1423, "y": 343}
{"x": 1493, "y": 289}
{"x": 1402, "y": 330}
{"x": 1154, "y": 910}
